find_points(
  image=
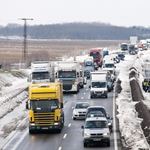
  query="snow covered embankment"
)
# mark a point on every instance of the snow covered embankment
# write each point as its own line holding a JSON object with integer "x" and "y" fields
{"x": 129, "y": 123}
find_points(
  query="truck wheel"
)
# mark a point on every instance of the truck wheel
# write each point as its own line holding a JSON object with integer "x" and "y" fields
{"x": 31, "y": 131}
{"x": 59, "y": 131}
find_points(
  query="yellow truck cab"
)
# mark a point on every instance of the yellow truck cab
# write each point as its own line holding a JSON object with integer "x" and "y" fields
{"x": 45, "y": 106}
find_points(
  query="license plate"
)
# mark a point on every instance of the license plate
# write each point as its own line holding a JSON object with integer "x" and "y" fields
{"x": 96, "y": 139}
{"x": 44, "y": 128}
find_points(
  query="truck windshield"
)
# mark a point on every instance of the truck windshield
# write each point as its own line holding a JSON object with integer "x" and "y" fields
{"x": 88, "y": 63}
{"x": 124, "y": 47}
{"x": 96, "y": 124}
{"x": 44, "y": 105}
{"x": 98, "y": 84}
{"x": 95, "y": 54}
{"x": 67, "y": 74}
{"x": 109, "y": 65}
{"x": 40, "y": 75}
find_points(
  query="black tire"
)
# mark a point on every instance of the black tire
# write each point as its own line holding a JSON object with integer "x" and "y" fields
{"x": 108, "y": 144}
{"x": 74, "y": 118}
{"x": 31, "y": 131}
{"x": 59, "y": 130}
{"x": 85, "y": 144}
{"x": 106, "y": 96}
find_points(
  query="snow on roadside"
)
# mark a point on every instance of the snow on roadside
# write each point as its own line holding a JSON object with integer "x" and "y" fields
{"x": 129, "y": 123}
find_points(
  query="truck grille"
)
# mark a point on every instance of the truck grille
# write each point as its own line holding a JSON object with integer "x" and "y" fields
{"x": 67, "y": 84}
{"x": 98, "y": 92}
{"x": 42, "y": 119}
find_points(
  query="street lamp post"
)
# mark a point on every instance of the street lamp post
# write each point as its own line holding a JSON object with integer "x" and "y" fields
{"x": 25, "y": 36}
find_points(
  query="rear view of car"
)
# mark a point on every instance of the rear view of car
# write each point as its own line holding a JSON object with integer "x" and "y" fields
{"x": 79, "y": 110}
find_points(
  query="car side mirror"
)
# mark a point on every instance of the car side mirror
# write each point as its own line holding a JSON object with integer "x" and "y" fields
{"x": 89, "y": 86}
{"x": 82, "y": 127}
{"x": 72, "y": 107}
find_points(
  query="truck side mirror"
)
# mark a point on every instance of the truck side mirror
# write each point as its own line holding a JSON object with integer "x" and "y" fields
{"x": 27, "y": 106}
{"x": 56, "y": 76}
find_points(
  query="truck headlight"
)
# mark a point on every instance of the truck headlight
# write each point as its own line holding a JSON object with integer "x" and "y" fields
{"x": 56, "y": 123}
{"x": 32, "y": 124}
{"x": 86, "y": 134}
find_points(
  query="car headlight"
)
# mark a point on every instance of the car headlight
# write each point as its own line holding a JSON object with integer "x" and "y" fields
{"x": 75, "y": 112}
{"x": 105, "y": 134}
{"x": 86, "y": 134}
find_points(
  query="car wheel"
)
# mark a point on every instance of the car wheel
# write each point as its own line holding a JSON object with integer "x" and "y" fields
{"x": 108, "y": 144}
{"x": 85, "y": 144}
{"x": 106, "y": 96}
{"x": 74, "y": 118}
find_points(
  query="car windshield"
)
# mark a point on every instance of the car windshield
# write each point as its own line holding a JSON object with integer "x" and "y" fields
{"x": 95, "y": 114}
{"x": 82, "y": 106}
{"x": 98, "y": 84}
{"x": 88, "y": 63}
{"x": 96, "y": 124}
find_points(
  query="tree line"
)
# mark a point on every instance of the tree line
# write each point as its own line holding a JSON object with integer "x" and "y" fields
{"x": 77, "y": 30}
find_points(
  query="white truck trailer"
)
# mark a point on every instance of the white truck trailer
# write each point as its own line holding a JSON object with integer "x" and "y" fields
{"x": 68, "y": 73}
{"x": 42, "y": 72}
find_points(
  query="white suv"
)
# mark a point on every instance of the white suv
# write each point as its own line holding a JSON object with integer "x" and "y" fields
{"x": 96, "y": 130}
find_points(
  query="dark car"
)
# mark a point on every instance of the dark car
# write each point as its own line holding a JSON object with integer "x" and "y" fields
{"x": 99, "y": 111}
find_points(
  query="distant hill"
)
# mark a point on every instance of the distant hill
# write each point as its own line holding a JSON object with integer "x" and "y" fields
{"x": 76, "y": 30}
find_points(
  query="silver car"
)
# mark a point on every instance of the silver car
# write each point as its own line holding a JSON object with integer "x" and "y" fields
{"x": 96, "y": 130}
{"x": 79, "y": 110}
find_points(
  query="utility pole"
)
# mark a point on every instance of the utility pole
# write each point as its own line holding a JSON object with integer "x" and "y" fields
{"x": 25, "y": 36}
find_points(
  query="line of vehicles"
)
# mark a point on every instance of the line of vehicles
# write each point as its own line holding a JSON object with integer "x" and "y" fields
{"x": 135, "y": 48}
{"x": 50, "y": 79}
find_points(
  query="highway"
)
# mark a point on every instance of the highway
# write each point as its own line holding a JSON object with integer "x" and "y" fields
{"x": 71, "y": 136}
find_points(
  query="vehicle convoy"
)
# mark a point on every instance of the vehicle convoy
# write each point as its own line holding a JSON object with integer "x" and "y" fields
{"x": 42, "y": 72}
{"x": 68, "y": 73}
{"x": 96, "y": 130}
{"x": 124, "y": 46}
{"x": 79, "y": 110}
{"x": 97, "y": 54}
{"x": 45, "y": 106}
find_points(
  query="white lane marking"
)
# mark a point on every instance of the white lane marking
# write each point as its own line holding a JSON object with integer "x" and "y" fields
{"x": 84, "y": 93}
{"x": 69, "y": 125}
{"x": 59, "y": 148}
{"x": 81, "y": 97}
{"x": 65, "y": 136}
{"x": 114, "y": 122}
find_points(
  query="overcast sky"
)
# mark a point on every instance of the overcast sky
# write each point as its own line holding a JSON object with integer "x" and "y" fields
{"x": 116, "y": 12}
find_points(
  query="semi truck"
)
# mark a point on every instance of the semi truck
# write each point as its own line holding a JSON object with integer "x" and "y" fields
{"x": 42, "y": 72}
{"x": 68, "y": 73}
{"x": 97, "y": 54}
{"x": 45, "y": 107}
